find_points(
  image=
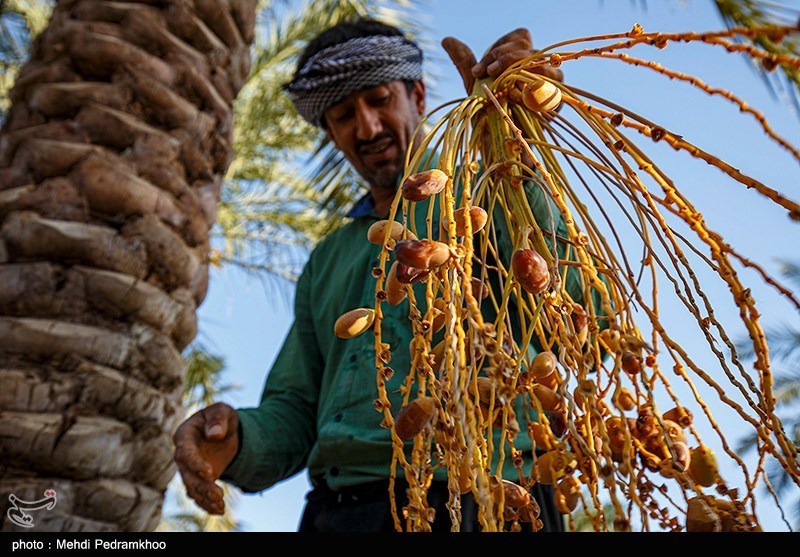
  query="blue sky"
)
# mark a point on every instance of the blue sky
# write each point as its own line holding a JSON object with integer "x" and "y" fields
{"x": 246, "y": 324}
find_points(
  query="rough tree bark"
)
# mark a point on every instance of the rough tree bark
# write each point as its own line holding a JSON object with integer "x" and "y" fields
{"x": 112, "y": 158}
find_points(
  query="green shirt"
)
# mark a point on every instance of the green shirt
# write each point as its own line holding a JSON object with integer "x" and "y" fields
{"x": 317, "y": 406}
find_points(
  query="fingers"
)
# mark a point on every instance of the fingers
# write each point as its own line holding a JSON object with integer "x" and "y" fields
{"x": 519, "y": 35}
{"x": 195, "y": 471}
{"x": 207, "y": 494}
{"x": 189, "y": 459}
{"x": 463, "y": 58}
{"x": 508, "y": 49}
{"x": 217, "y": 419}
{"x": 212, "y": 424}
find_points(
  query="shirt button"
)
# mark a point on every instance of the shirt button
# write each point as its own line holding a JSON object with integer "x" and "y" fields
{"x": 353, "y": 358}
{"x": 334, "y": 471}
{"x": 337, "y": 418}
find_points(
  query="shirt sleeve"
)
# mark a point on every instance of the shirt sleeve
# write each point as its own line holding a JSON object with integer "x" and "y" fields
{"x": 277, "y": 436}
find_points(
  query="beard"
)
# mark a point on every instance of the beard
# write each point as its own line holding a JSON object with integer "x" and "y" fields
{"x": 387, "y": 174}
{"x": 386, "y": 177}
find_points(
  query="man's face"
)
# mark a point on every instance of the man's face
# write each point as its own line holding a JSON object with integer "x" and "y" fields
{"x": 374, "y": 127}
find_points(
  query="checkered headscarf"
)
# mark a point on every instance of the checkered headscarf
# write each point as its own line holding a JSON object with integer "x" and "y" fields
{"x": 334, "y": 72}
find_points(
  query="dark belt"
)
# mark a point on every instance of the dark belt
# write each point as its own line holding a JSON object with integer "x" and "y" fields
{"x": 438, "y": 497}
{"x": 362, "y": 493}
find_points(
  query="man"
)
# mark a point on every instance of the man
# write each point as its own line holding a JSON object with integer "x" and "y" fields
{"x": 362, "y": 83}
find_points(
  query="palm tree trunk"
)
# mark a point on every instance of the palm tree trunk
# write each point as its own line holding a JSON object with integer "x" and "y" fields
{"x": 112, "y": 157}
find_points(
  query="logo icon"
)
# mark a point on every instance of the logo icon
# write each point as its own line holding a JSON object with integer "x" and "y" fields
{"x": 16, "y": 513}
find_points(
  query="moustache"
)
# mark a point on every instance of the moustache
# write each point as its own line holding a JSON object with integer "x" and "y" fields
{"x": 377, "y": 139}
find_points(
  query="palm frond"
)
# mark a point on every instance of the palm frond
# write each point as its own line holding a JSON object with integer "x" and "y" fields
{"x": 758, "y": 13}
{"x": 783, "y": 342}
{"x": 20, "y": 23}
{"x": 791, "y": 271}
{"x": 336, "y": 181}
{"x": 201, "y": 383}
{"x": 584, "y": 520}
{"x": 787, "y": 387}
{"x": 747, "y": 443}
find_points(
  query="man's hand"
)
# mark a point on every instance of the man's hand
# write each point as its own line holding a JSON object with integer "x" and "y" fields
{"x": 507, "y": 50}
{"x": 205, "y": 444}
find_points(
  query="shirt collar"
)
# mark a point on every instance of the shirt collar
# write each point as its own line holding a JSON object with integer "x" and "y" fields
{"x": 363, "y": 207}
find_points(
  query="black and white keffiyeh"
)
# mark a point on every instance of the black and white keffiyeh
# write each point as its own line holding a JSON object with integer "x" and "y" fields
{"x": 334, "y": 72}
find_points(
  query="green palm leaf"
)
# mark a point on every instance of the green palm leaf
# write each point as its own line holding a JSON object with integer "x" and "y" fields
{"x": 757, "y": 13}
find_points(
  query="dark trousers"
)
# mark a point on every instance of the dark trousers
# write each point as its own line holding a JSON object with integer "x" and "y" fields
{"x": 366, "y": 508}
